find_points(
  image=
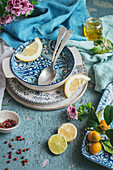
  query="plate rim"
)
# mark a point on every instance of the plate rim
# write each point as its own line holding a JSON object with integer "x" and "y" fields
{"x": 43, "y": 107}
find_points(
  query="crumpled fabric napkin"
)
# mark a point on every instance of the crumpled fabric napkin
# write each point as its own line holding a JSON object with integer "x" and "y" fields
{"x": 5, "y": 51}
{"x": 45, "y": 21}
{"x": 100, "y": 66}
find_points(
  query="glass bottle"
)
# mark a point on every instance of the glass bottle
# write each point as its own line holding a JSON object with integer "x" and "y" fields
{"x": 93, "y": 29}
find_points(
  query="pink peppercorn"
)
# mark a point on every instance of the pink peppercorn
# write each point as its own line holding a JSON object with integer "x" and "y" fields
{"x": 15, "y": 159}
{"x": 8, "y": 161}
{"x": 3, "y": 156}
{"x": 26, "y": 160}
{"x": 28, "y": 149}
{"x": 24, "y": 150}
{"x": 10, "y": 156}
{"x": 6, "y": 141}
{"x": 7, "y": 169}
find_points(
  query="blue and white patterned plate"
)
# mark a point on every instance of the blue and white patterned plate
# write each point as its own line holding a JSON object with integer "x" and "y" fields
{"x": 102, "y": 158}
{"x": 52, "y": 96}
{"x": 28, "y": 72}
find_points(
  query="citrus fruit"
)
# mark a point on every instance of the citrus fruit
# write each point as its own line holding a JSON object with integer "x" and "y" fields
{"x": 57, "y": 144}
{"x": 30, "y": 52}
{"x": 103, "y": 124}
{"x": 68, "y": 130}
{"x": 73, "y": 83}
{"x": 95, "y": 147}
{"x": 94, "y": 136}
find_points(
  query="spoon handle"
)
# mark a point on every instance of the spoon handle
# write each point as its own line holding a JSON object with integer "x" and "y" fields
{"x": 62, "y": 32}
{"x": 63, "y": 43}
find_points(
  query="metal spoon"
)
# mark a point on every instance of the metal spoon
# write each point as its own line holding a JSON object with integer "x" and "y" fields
{"x": 48, "y": 74}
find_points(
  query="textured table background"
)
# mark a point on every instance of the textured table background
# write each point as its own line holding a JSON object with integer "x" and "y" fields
{"x": 37, "y": 126}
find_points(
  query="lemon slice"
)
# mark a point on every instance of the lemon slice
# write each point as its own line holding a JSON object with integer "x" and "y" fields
{"x": 73, "y": 83}
{"x": 31, "y": 52}
{"x": 57, "y": 144}
{"x": 68, "y": 130}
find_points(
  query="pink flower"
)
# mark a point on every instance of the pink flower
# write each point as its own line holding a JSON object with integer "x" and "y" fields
{"x": 5, "y": 20}
{"x": 18, "y": 7}
{"x": 15, "y": 11}
{"x": 72, "y": 113}
{"x": 9, "y": 5}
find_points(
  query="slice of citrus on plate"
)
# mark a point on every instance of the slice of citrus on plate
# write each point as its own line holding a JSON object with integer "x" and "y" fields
{"x": 73, "y": 83}
{"x": 68, "y": 130}
{"x": 57, "y": 144}
{"x": 30, "y": 52}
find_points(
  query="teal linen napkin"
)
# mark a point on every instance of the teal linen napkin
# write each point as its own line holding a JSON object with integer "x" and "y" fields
{"x": 100, "y": 66}
{"x": 48, "y": 17}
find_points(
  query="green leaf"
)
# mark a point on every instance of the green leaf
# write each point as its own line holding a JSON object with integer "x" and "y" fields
{"x": 99, "y": 115}
{"x": 98, "y": 130}
{"x": 81, "y": 117}
{"x": 100, "y": 40}
{"x": 108, "y": 114}
{"x": 35, "y": 2}
{"x": 107, "y": 146}
{"x": 74, "y": 105}
{"x": 91, "y": 123}
{"x": 96, "y": 50}
{"x": 109, "y": 134}
{"x": 88, "y": 106}
{"x": 92, "y": 116}
{"x": 82, "y": 107}
{"x": 92, "y": 119}
{"x": 109, "y": 44}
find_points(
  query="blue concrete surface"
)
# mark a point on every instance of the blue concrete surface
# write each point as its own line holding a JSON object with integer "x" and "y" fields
{"x": 37, "y": 126}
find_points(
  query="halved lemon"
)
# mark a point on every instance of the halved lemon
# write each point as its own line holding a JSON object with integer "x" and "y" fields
{"x": 73, "y": 83}
{"x": 30, "y": 52}
{"x": 68, "y": 130}
{"x": 57, "y": 144}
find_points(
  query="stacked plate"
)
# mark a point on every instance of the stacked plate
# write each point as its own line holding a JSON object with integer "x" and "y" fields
{"x": 23, "y": 77}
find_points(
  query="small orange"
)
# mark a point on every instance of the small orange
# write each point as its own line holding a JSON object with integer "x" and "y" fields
{"x": 94, "y": 136}
{"x": 95, "y": 147}
{"x": 103, "y": 124}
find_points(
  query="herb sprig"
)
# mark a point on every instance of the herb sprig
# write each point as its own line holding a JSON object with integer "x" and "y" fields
{"x": 102, "y": 46}
{"x": 83, "y": 110}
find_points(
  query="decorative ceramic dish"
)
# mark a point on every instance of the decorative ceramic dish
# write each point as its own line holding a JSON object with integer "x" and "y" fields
{"x": 52, "y": 96}
{"x": 102, "y": 158}
{"x": 28, "y": 72}
{"x": 50, "y": 106}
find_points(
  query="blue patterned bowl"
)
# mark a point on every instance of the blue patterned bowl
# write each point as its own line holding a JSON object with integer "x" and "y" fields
{"x": 28, "y": 72}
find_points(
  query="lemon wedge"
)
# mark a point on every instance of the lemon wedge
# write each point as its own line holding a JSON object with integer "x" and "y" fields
{"x": 57, "y": 144}
{"x": 73, "y": 83}
{"x": 30, "y": 52}
{"x": 68, "y": 130}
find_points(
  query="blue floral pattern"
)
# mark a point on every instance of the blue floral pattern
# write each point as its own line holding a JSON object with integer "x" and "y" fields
{"x": 103, "y": 158}
{"x": 29, "y": 72}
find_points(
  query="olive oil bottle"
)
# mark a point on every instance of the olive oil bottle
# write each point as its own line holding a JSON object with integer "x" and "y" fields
{"x": 93, "y": 29}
